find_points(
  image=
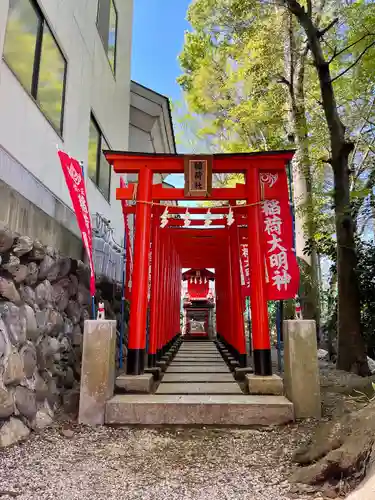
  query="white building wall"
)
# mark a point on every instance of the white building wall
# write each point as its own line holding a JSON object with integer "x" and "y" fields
{"x": 140, "y": 140}
{"x": 27, "y": 135}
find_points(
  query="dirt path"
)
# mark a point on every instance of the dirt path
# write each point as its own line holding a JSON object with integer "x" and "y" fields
{"x": 111, "y": 464}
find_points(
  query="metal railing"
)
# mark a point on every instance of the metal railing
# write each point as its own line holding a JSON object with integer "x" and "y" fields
{"x": 108, "y": 254}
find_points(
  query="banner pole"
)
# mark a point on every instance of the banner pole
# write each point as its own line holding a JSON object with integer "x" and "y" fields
{"x": 278, "y": 330}
{"x": 292, "y": 210}
{"x": 75, "y": 181}
{"x": 249, "y": 325}
{"x": 291, "y": 203}
{"x": 93, "y": 312}
{"x": 122, "y": 324}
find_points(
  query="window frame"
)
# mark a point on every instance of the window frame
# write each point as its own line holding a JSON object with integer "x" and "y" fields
{"x": 116, "y": 34}
{"x": 102, "y": 137}
{"x": 33, "y": 91}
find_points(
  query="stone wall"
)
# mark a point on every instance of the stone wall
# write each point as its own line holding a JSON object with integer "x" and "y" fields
{"x": 54, "y": 224}
{"x": 44, "y": 300}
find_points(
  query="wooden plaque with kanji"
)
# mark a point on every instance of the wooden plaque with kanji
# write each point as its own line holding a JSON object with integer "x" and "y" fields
{"x": 198, "y": 176}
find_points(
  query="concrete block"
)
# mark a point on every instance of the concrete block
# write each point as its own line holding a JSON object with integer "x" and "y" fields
{"x": 155, "y": 372}
{"x": 233, "y": 365}
{"x": 98, "y": 370}
{"x": 272, "y": 385}
{"x": 225, "y": 353}
{"x": 301, "y": 370}
{"x": 162, "y": 365}
{"x": 153, "y": 409}
{"x": 240, "y": 373}
{"x": 135, "y": 383}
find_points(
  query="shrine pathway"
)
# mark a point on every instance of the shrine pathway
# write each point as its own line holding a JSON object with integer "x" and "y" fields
{"x": 198, "y": 368}
{"x": 71, "y": 462}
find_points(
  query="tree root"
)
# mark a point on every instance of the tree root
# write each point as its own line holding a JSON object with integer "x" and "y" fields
{"x": 343, "y": 448}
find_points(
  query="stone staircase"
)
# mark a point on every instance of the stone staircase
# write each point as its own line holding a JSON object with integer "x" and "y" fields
{"x": 198, "y": 388}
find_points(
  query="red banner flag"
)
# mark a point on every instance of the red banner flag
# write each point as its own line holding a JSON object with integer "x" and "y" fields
{"x": 281, "y": 267}
{"x": 282, "y": 272}
{"x": 77, "y": 189}
{"x": 245, "y": 269}
{"x": 128, "y": 248}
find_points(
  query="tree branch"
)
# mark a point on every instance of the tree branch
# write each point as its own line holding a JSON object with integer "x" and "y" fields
{"x": 323, "y": 31}
{"x": 370, "y": 122}
{"x": 354, "y": 63}
{"x": 309, "y": 8}
{"x": 361, "y": 130}
{"x": 336, "y": 127}
{"x": 336, "y": 54}
{"x": 319, "y": 12}
{"x": 283, "y": 80}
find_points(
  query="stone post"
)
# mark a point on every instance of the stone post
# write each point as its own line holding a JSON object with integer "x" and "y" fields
{"x": 301, "y": 369}
{"x": 98, "y": 370}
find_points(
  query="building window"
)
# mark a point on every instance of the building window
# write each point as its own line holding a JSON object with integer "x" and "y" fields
{"x": 98, "y": 168}
{"x": 107, "y": 21}
{"x": 32, "y": 53}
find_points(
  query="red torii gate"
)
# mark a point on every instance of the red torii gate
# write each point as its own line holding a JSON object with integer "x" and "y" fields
{"x": 174, "y": 248}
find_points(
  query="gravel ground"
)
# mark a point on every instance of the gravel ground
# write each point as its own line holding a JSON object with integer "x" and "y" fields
{"x": 151, "y": 464}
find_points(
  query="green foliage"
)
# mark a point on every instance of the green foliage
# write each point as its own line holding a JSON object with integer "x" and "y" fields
{"x": 365, "y": 269}
{"x": 231, "y": 67}
{"x": 366, "y": 280}
{"x": 236, "y": 79}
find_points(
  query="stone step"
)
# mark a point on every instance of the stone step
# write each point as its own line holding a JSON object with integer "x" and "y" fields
{"x": 199, "y": 388}
{"x": 198, "y": 360}
{"x": 191, "y": 343}
{"x": 198, "y": 349}
{"x": 197, "y": 377}
{"x": 146, "y": 409}
{"x": 215, "y": 355}
{"x": 189, "y": 368}
{"x": 198, "y": 345}
{"x": 213, "y": 364}
{"x": 203, "y": 352}
{"x": 197, "y": 355}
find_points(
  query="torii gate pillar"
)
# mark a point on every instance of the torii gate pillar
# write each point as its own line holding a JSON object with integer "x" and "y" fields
{"x": 138, "y": 304}
{"x": 258, "y": 292}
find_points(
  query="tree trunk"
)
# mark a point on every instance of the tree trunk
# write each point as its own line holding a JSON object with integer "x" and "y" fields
{"x": 372, "y": 201}
{"x": 351, "y": 347}
{"x": 332, "y": 320}
{"x": 294, "y": 63}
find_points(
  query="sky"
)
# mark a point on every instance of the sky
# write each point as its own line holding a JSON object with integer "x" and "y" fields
{"x": 158, "y": 37}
